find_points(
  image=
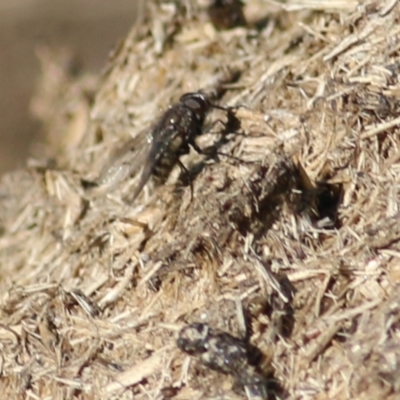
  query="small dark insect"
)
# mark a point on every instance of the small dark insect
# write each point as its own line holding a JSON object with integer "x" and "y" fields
{"x": 224, "y": 353}
{"x": 170, "y": 138}
{"x": 226, "y": 14}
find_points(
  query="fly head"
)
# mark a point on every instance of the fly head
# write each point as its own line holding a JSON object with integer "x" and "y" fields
{"x": 198, "y": 103}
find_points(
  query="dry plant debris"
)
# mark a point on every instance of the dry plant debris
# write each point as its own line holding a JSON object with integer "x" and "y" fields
{"x": 290, "y": 251}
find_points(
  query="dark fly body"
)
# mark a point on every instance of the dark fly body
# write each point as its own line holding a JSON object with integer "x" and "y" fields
{"x": 161, "y": 149}
{"x": 224, "y": 353}
{"x": 172, "y": 137}
{"x": 219, "y": 351}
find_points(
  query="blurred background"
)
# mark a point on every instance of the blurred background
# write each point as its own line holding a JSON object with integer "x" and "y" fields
{"x": 90, "y": 28}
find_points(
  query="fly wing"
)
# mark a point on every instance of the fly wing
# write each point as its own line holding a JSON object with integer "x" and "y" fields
{"x": 153, "y": 154}
{"x": 144, "y": 178}
{"x": 124, "y": 162}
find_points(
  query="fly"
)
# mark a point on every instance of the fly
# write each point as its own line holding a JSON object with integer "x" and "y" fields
{"x": 225, "y": 353}
{"x": 171, "y": 138}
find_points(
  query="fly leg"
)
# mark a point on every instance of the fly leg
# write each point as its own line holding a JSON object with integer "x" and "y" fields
{"x": 213, "y": 152}
{"x": 187, "y": 173}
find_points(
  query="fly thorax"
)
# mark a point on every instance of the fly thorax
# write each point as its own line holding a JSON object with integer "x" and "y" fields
{"x": 168, "y": 159}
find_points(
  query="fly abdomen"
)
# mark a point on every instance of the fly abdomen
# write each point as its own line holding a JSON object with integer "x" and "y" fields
{"x": 164, "y": 167}
{"x": 169, "y": 157}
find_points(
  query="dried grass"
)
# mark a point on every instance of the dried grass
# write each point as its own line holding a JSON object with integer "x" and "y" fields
{"x": 301, "y": 244}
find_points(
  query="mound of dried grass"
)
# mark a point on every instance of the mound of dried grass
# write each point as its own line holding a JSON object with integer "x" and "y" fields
{"x": 295, "y": 246}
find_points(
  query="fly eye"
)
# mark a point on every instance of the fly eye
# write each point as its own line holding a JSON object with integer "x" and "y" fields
{"x": 195, "y": 101}
{"x": 193, "y": 104}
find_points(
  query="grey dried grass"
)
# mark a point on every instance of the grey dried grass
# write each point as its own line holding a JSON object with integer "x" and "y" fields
{"x": 296, "y": 246}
